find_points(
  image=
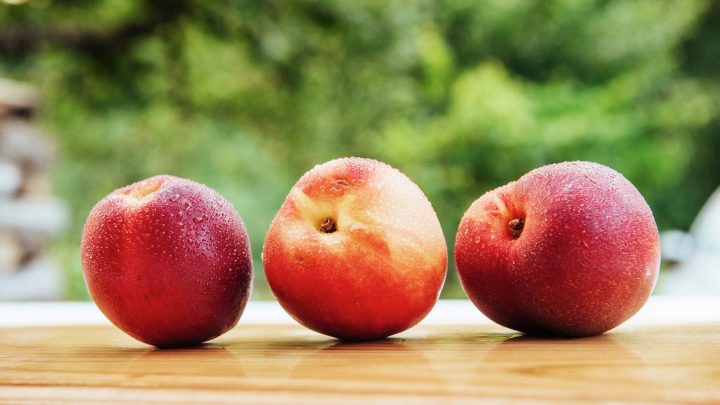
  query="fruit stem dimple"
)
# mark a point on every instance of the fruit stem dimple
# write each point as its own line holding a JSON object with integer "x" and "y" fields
{"x": 328, "y": 225}
{"x": 144, "y": 188}
{"x": 516, "y": 227}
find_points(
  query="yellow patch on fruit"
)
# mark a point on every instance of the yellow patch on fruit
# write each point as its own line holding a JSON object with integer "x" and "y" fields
{"x": 490, "y": 206}
{"x": 141, "y": 192}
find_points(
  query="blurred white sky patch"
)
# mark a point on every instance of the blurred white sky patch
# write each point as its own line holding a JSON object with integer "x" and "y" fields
{"x": 693, "y": 258}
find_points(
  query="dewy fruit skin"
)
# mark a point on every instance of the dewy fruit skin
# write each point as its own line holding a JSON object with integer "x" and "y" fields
{"x": 168, "y": 261}
{"x": 569, "y": 249}
{"x": 356, "y": 251}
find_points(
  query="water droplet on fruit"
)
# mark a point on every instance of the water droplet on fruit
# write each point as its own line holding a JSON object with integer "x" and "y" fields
{"x": 179, "y": 215}
{"x": 175, "y": 197}
{"x": 199, "y": 219}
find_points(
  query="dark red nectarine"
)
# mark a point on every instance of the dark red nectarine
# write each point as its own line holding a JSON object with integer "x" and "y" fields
{"x": 168, "y": 261}
{"x": 568, "y": 249}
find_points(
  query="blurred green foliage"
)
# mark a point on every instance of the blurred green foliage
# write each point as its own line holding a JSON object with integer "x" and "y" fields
{"x": 463, "y": 96}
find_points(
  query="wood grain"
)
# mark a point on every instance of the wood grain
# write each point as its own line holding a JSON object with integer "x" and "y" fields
{"x": 428, "y": 364}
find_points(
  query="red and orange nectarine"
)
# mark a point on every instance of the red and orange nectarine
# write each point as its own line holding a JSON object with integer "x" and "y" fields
{"x": 356, "y": 251}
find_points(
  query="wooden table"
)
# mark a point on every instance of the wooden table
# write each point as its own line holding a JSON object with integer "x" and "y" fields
{"x": 670, "y": 352}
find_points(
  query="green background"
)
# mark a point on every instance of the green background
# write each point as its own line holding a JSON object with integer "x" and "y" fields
{"x": 462, "y": 96}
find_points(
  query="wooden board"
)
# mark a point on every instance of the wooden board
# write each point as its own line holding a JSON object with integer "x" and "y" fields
{"x": 428, "y": 364}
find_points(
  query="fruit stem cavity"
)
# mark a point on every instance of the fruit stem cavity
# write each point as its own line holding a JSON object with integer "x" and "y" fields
{"x": 328, "y": 225}
{"x": 142, "y": 190}
{"x": 516, "y": 227}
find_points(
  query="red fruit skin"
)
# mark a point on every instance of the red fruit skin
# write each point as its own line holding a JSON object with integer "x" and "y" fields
{"x": 586, "y": 260}
{"x": 380, "y": 273}
{"x": 171, "y": 268}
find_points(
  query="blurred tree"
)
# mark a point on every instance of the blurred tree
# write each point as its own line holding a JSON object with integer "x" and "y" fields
{"x": 463, "y": 96}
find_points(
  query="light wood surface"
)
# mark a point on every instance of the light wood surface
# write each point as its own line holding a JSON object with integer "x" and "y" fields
{"x": 431, "y": 363}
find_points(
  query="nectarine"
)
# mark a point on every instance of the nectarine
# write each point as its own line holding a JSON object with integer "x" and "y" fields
{"x": 568, "y": 249}
{"x": 356, "y": 251}
{"x": 168, "y": 261}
